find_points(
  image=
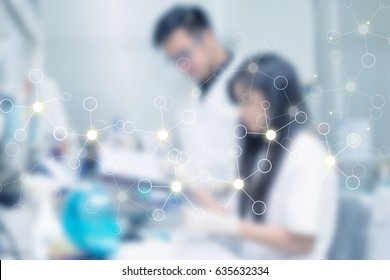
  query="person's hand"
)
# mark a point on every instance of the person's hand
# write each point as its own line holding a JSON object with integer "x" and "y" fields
{"x": 211, "y": 223}
{"x": 206, "y": 200}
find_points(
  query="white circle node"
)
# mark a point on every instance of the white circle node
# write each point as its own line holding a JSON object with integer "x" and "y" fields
{"x": 368, "y": 60}
{"x": 115, "y": 228}
{"x": 92, "y": 206}
{"x": 218, "y": 72}
{"x": 66, "y": 96}
{"x": 316, "y": 90}
{"x": 333, "y": 37}
{"x": 128, "y": 127}
{"x": 323, "y": 128}
{"x": 160, "y": 102}
{"x": 6, "y": 106}
{"x": 384, "y": 152}
{"x": 354, "y": 140}
{"x": 295, "y": 157}
{"x": 280, "y": 82}
{"x": 198, "y": 213}
{"x": 74, "y": 162}
{"x": 384, "y": 4}
{"x": 158, "y": 215}
{"x": 301, "y": 117}
{"x": 12, "y": 149}
{"x": 264, "y": 165}
{"x": 90, "y": 103}
{"x": 183, "y": 64}
{"x": 271, "y": 41}
{"x": 352, "y": 182}
{"x": 60, "y": 133}
{"x": 378, "y": 101}
{"x": 18, "y": 210}
{"x": 35, "y": 76}
{"x": 235, "y": 151}
{"x": 144, "y": 185}
{"x": 239, "y": 38}
{"x": 375, "y": 113}
{"x": 336, "y": 56}
{"x": 240, "y": 131}
{"x": 188, "y": 117}
{"x": 259, "y": 207}
{"x": 20, "y": 135}
{"x": 204, "y": 176}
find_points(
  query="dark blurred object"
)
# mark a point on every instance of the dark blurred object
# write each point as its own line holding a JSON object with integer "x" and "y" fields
{"x": 193, "y": 19}
{"x": 88, "y": 164}
{"x": 350, "y": 241}
{"x": 9, "y": 172}
{"x": 9, "y": 194}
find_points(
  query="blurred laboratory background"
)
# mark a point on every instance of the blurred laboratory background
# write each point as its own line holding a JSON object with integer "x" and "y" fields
{"x": 89, "y": 53}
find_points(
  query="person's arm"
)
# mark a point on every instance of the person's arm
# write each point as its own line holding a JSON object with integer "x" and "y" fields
{"x": 276, "y": 236}
{"x": 207, "y": 201}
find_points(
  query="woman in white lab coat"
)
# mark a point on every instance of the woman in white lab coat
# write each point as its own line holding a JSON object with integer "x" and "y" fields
{"x": 286, "y": 206}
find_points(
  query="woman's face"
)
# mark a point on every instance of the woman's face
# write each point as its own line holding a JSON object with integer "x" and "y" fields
{"x": 250, "y": 108}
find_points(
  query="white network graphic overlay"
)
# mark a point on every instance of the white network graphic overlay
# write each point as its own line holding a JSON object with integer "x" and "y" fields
{"x": 353, "y": 140}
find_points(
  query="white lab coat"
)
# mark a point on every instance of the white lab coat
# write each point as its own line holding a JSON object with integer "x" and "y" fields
{"x": 209, "y": 139}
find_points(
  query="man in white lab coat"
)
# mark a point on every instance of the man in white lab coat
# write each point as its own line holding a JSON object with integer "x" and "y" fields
{"x": 185, "y": 34}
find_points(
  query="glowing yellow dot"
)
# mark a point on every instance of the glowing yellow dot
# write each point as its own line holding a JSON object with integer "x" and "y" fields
{"x": 238, "y": 184}
{"x": 91, "y": 134}
{"x": 176, "y": 186}
{"x": 38, "y": 107}
{"x": 271, "y": 134}
{"x": 330, "y": 161}
{"x": 162, "y": 135}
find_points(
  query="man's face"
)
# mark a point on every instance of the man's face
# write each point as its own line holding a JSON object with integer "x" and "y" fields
{"x": 191, "y": 53}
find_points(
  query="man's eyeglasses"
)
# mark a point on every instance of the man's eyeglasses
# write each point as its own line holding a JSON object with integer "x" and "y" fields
{"x": 188, "y": 52}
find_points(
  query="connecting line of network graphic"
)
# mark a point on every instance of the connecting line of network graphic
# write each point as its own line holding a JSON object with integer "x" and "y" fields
{"x": 181, "y": 158}
{"x": 368, "y": 59}
{"x": 240, "y": 131}
{"x": 353, "y": 140}
{"x": 144, "y": 185}
{"x": 61, "y": 133}
{"x": 13, "y": 149}
{"x": 264, "y": 165}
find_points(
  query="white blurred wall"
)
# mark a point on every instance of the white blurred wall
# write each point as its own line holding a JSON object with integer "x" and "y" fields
{"x": 103, "y": 49}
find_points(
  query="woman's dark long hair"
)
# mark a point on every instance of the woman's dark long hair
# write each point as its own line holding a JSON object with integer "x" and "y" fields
{"x": 277, "y": 80}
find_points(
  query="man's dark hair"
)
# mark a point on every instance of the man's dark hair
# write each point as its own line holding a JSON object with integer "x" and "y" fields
{"x": 193, "y": 19}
